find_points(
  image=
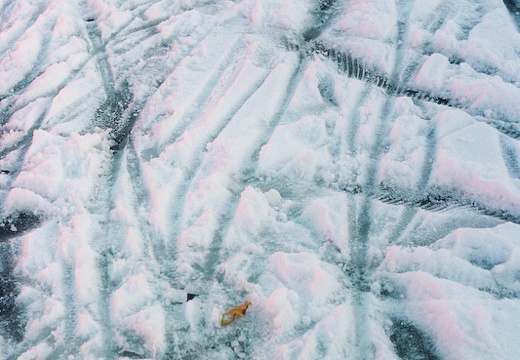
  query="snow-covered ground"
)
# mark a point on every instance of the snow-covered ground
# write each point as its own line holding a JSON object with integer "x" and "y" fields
{"x": 350, "y": 167}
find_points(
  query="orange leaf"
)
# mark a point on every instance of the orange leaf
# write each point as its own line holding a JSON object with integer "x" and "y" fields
{"x": 229, "y": 316}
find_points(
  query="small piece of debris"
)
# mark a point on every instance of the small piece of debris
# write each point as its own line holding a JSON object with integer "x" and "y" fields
{"x": 229, "y": 316}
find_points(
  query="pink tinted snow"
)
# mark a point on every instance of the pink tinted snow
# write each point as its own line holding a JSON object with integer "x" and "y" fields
{"x": 372, "y": 19}
{"x": 465, "y": 162}
{"x": 432, "y": 73}
{"x": 15, "y": 66}
{"x": 303, "y": 274}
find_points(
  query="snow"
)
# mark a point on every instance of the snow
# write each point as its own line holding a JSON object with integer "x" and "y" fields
{"x": 16, "y": 65}
{"x": 163, "y": 162}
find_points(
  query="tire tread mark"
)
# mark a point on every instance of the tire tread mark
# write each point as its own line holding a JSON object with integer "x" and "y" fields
{"x": 432, "y": 201}
{"x": 353, "y": 68}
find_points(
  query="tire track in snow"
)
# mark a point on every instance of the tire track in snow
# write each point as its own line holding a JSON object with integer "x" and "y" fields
{"x": 392, "y": 85}
{"x": 91, "y": 18}
{"x": 291, "y": 90}
{"x": 115, "y": 106}
{"x": 153, "y": 257}
{"x": 153, "y": 240}
{"x": 111, "y": 114}
{"x": 507, "y": 128}
{"x": 14, "y": 104}
{"x": 61, "y": 335}
{"x": 355, "y": 120}
{"x": 149, "y": 26}
{"x": 5, "y": 10}
{"x": 360, "y": 264}
{"x": 70, "y": 341}
{"x": 472, "y": 19}
{"x": 349, "y": 146}
{"x": 22, "y": 146}
{"x": 411, "y": 342}
{"x": 248, "y": 168}
{"x": 420, "y": 234}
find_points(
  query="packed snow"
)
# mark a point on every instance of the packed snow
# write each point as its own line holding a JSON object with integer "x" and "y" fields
{"x": 351, "y": 168}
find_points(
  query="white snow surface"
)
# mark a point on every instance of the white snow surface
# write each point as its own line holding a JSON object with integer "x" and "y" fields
{"x": 350, "y": 167}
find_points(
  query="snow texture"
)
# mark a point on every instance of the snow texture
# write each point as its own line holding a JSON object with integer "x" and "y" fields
{"x": 350, "y": 167}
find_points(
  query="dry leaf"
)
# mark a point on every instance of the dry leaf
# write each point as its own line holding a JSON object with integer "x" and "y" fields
{"x": 229, "y": 316}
